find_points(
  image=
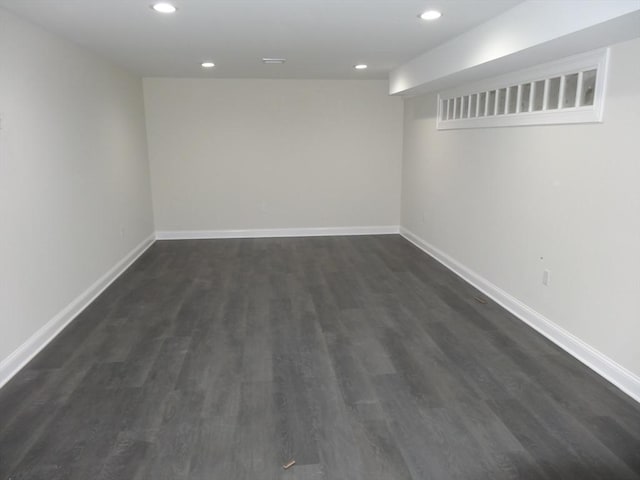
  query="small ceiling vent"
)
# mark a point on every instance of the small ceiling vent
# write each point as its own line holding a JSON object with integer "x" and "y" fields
{"x": 270, "y": 61}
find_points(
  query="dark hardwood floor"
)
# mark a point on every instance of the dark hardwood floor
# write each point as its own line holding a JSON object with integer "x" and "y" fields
{"x": 358, "y": 357}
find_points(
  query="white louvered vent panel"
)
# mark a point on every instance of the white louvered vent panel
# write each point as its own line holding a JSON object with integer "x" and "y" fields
{"x": 570, "y": 90}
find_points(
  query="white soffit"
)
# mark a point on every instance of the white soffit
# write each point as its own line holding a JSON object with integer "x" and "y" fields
{"x": 530, "y": 33}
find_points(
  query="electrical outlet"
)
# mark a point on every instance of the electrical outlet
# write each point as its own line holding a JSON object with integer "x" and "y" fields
{"x": 546, "y": 277}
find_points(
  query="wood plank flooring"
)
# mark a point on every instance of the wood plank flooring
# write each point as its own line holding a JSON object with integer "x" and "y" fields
{"x": 359, "y": 357}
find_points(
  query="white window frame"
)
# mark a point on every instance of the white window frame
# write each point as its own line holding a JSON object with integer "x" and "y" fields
{"x": 596, "y": 60}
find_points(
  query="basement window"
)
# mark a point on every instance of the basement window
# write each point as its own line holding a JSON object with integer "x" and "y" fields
{"x": 570, "y": 90}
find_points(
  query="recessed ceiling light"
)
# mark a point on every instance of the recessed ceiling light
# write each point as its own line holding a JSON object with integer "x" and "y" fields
{"x": 208, "y": 64}
{"x": 430, "y": 15}
{"x": 360, "y": 66}
{"x": 273, "y": 60}
{"x": 164, "y": 7}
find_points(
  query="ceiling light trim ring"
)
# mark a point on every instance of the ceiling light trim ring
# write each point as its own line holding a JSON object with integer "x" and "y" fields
{"x": 164, "y": 7}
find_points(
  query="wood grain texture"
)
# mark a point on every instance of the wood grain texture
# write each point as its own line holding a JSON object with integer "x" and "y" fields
{"x": 358, "y": 357}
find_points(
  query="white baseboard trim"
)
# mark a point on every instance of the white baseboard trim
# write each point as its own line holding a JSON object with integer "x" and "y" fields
{"x": 276, "y": 232}
{"x": 615, "y": 373}
{"x": 29, "y": 349}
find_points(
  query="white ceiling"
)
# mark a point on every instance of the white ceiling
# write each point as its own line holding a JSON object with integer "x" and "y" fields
{"x": 319, "y": 38}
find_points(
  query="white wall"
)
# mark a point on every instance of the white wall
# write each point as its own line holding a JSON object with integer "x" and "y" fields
{"x": 73, "y": 173}
{"x": 248, "y": 154}
{"x": 498, "y": 199}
